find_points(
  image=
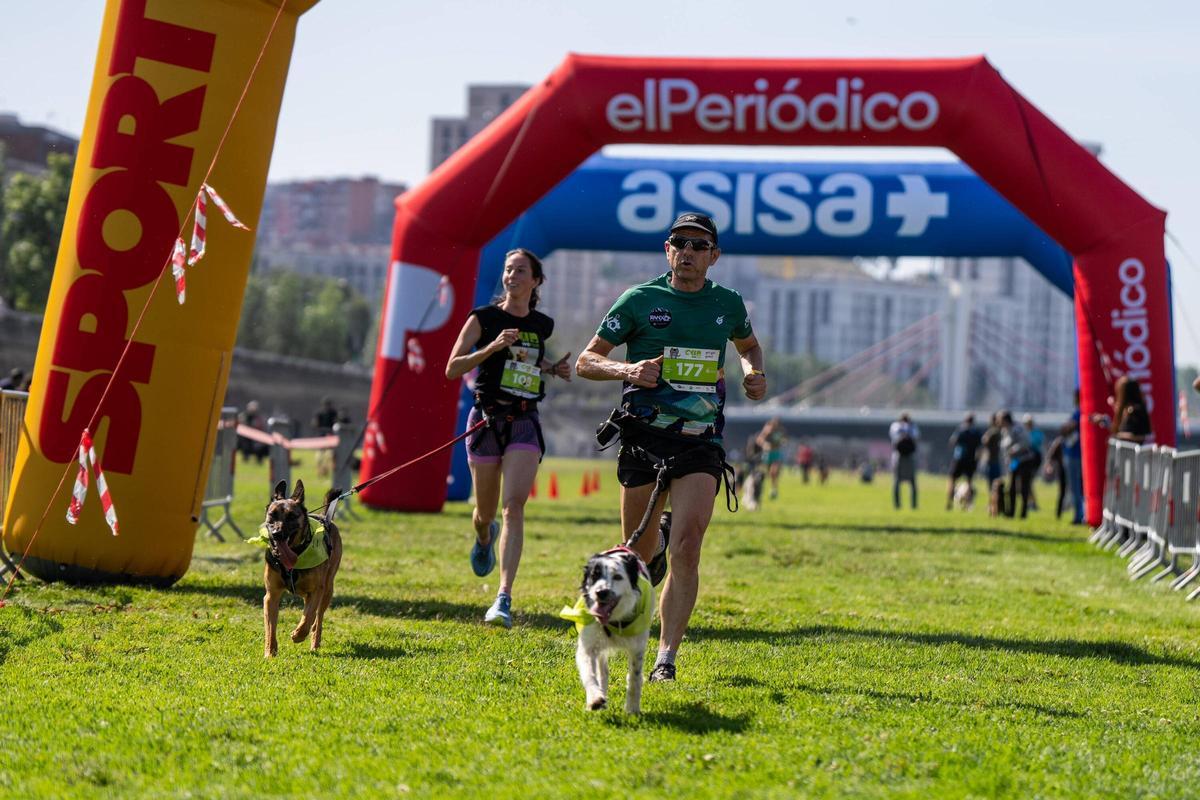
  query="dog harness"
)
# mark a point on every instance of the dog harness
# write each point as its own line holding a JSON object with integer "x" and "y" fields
{"x": 622, "y": 419}
{"x": 642, "y": 610}
{"x": 314, "y": 554}
{"x": 500, "y": 417}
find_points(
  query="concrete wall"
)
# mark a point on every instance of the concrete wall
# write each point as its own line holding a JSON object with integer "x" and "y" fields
{"x": 281, "y": 385}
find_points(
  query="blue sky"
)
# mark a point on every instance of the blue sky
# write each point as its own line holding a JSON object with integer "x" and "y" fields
{"x": 367, "y": 75}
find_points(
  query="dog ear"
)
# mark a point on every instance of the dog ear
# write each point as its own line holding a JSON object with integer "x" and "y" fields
{"x": 631, "y": 567}
{"x": 587, "y": 571}
{"x": 298, "y": 493}
{"x": 590, "y": 573}
{"x": 280, "y": 491}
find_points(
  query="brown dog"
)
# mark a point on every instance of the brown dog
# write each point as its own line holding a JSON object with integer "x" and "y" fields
{"x": 292, "y": 541}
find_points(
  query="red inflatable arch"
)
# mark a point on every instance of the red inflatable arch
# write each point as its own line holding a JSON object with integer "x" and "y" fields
{"x": 1122, "y": 305}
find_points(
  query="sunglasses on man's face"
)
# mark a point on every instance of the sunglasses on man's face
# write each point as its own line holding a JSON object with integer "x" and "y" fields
{"x": 681, "y": 243}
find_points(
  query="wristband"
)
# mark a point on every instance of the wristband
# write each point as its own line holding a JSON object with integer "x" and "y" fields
{"x": 758, "y": 372}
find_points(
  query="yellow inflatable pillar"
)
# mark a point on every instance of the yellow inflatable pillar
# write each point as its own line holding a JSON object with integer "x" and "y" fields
{"x": 168, "y": 77}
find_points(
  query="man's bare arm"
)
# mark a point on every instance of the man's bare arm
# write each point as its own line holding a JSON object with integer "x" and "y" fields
{"x": 594, "y": 364}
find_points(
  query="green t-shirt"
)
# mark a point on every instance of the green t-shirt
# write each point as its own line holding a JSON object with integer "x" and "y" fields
{"x": 690, "y": 330}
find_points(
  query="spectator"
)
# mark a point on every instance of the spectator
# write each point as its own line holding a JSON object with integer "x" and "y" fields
{"x": 253, "y": 418}
{"x": 1037, "y": 440}
{"x": 1072, "y": 461}
{"x": 1015, "y": 446}
{"x": 1130, "y": 420}
{"x": 14, "y": 380}
{"x": 804, "y": 457}
{"x": 324, "y": 419}
{"x": 904, "y": 435}
{"x": 770, "y": 441}
{"x": 994, "y": 466}
{"x": 1054, "y": 469}
{"x": 964, "y": 443}
{"x": 749, "y": 477}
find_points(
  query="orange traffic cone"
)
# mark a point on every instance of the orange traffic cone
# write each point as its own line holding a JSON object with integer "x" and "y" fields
{"x": 596, "y": 481}
{"x": 553, "y": 491}
{"x": 533, "y": 490}
{"x": 585, "y": 488}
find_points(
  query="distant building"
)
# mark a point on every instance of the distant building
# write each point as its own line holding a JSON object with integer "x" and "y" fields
{"x": 484, "y": 103}
{"x": 1012, "y": 340}
{"x": 976, "y": 333}
{"x": 338, "y": 228}
{"x": 327, "y": 212}
{"x": 27, "y": 146}
{"x": 829, "y": 308}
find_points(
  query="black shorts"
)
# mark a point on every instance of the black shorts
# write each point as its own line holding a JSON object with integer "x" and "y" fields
{"x": 962, "y": 469}
{"x": 633, "y": 470}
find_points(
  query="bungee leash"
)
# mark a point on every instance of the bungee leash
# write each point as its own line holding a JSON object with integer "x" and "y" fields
{"x": 332, "y": 504}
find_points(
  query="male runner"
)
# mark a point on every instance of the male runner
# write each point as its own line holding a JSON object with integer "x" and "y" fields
{"x": 675, "y": 328}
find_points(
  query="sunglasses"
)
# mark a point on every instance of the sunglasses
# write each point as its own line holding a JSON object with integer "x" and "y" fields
{"x": 681, "y": 243}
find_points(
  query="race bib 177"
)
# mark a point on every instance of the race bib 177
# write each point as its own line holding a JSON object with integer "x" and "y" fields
{"x": 691, "y": 369}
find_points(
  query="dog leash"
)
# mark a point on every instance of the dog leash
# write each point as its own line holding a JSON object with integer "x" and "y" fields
{"x": 661, "y": 466}
{"x": 332, "y": 504}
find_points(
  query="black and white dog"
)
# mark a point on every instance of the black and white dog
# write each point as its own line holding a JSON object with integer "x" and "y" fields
{"x": 613, "y": 612}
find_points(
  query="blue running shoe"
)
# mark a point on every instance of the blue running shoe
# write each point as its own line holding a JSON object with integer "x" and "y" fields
{"x": 500, "y": 613}
{"x": 483, "y": 557}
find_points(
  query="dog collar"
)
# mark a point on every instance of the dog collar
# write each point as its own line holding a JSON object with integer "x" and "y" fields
{"x": 642, "y": 612}
{"x": 314, "y": 555}
{"x": 623, "y": 550}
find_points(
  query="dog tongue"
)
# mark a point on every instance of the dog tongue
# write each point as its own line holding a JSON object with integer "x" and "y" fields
{"x": 286, "y": 556}
{"x": 600, "y": 612}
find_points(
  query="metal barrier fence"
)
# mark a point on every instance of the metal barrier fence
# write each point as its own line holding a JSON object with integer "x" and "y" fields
{"x": 343, "y": 463}
{"x": 280, "y": 455}
{"x": 335, "y": 452}
{"x": 1139, "y": 513}
{"x": 12, "y": 417}
{"x": 1154, "y": 553}
{"x": 218, "y": 493}
{"x": 1123, "y": 489}
{"x": 1183, "y": 538}
{"x": 1107, "y": 524}
{"x": 1152, "y": 510}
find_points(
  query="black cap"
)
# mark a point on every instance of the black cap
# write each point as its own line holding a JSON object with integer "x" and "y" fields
{"x": 690, "y": 219}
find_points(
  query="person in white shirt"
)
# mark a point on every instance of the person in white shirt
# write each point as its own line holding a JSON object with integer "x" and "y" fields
{"x": 904, "y": 435}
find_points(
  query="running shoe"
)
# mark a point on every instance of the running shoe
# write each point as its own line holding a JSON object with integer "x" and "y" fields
{"x": 500, "y": 613}
{"x": 483, "y": 557}
{"x": 658, "y": 565}
{"x": 661, "y": 673}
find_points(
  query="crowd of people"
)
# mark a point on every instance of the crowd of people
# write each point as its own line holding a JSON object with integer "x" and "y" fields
{"x": 1011, "y": 454}
{"x": 17, "y": 380}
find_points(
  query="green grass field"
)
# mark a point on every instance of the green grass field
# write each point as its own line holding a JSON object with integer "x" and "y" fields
{"x": 839, "y": 649}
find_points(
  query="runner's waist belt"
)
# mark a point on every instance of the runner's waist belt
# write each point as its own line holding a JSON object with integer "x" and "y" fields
{"x": 621, "y": 420}
{"x": 499, "y": 418}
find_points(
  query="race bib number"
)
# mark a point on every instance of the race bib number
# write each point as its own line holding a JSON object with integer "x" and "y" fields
{"x": 521, "y": 379}
{"x": 690, "y": 369}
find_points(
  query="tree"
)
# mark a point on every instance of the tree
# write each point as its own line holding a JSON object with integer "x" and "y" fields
{"x": 301, "y": 315}
{"x": 34, "y": 207}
